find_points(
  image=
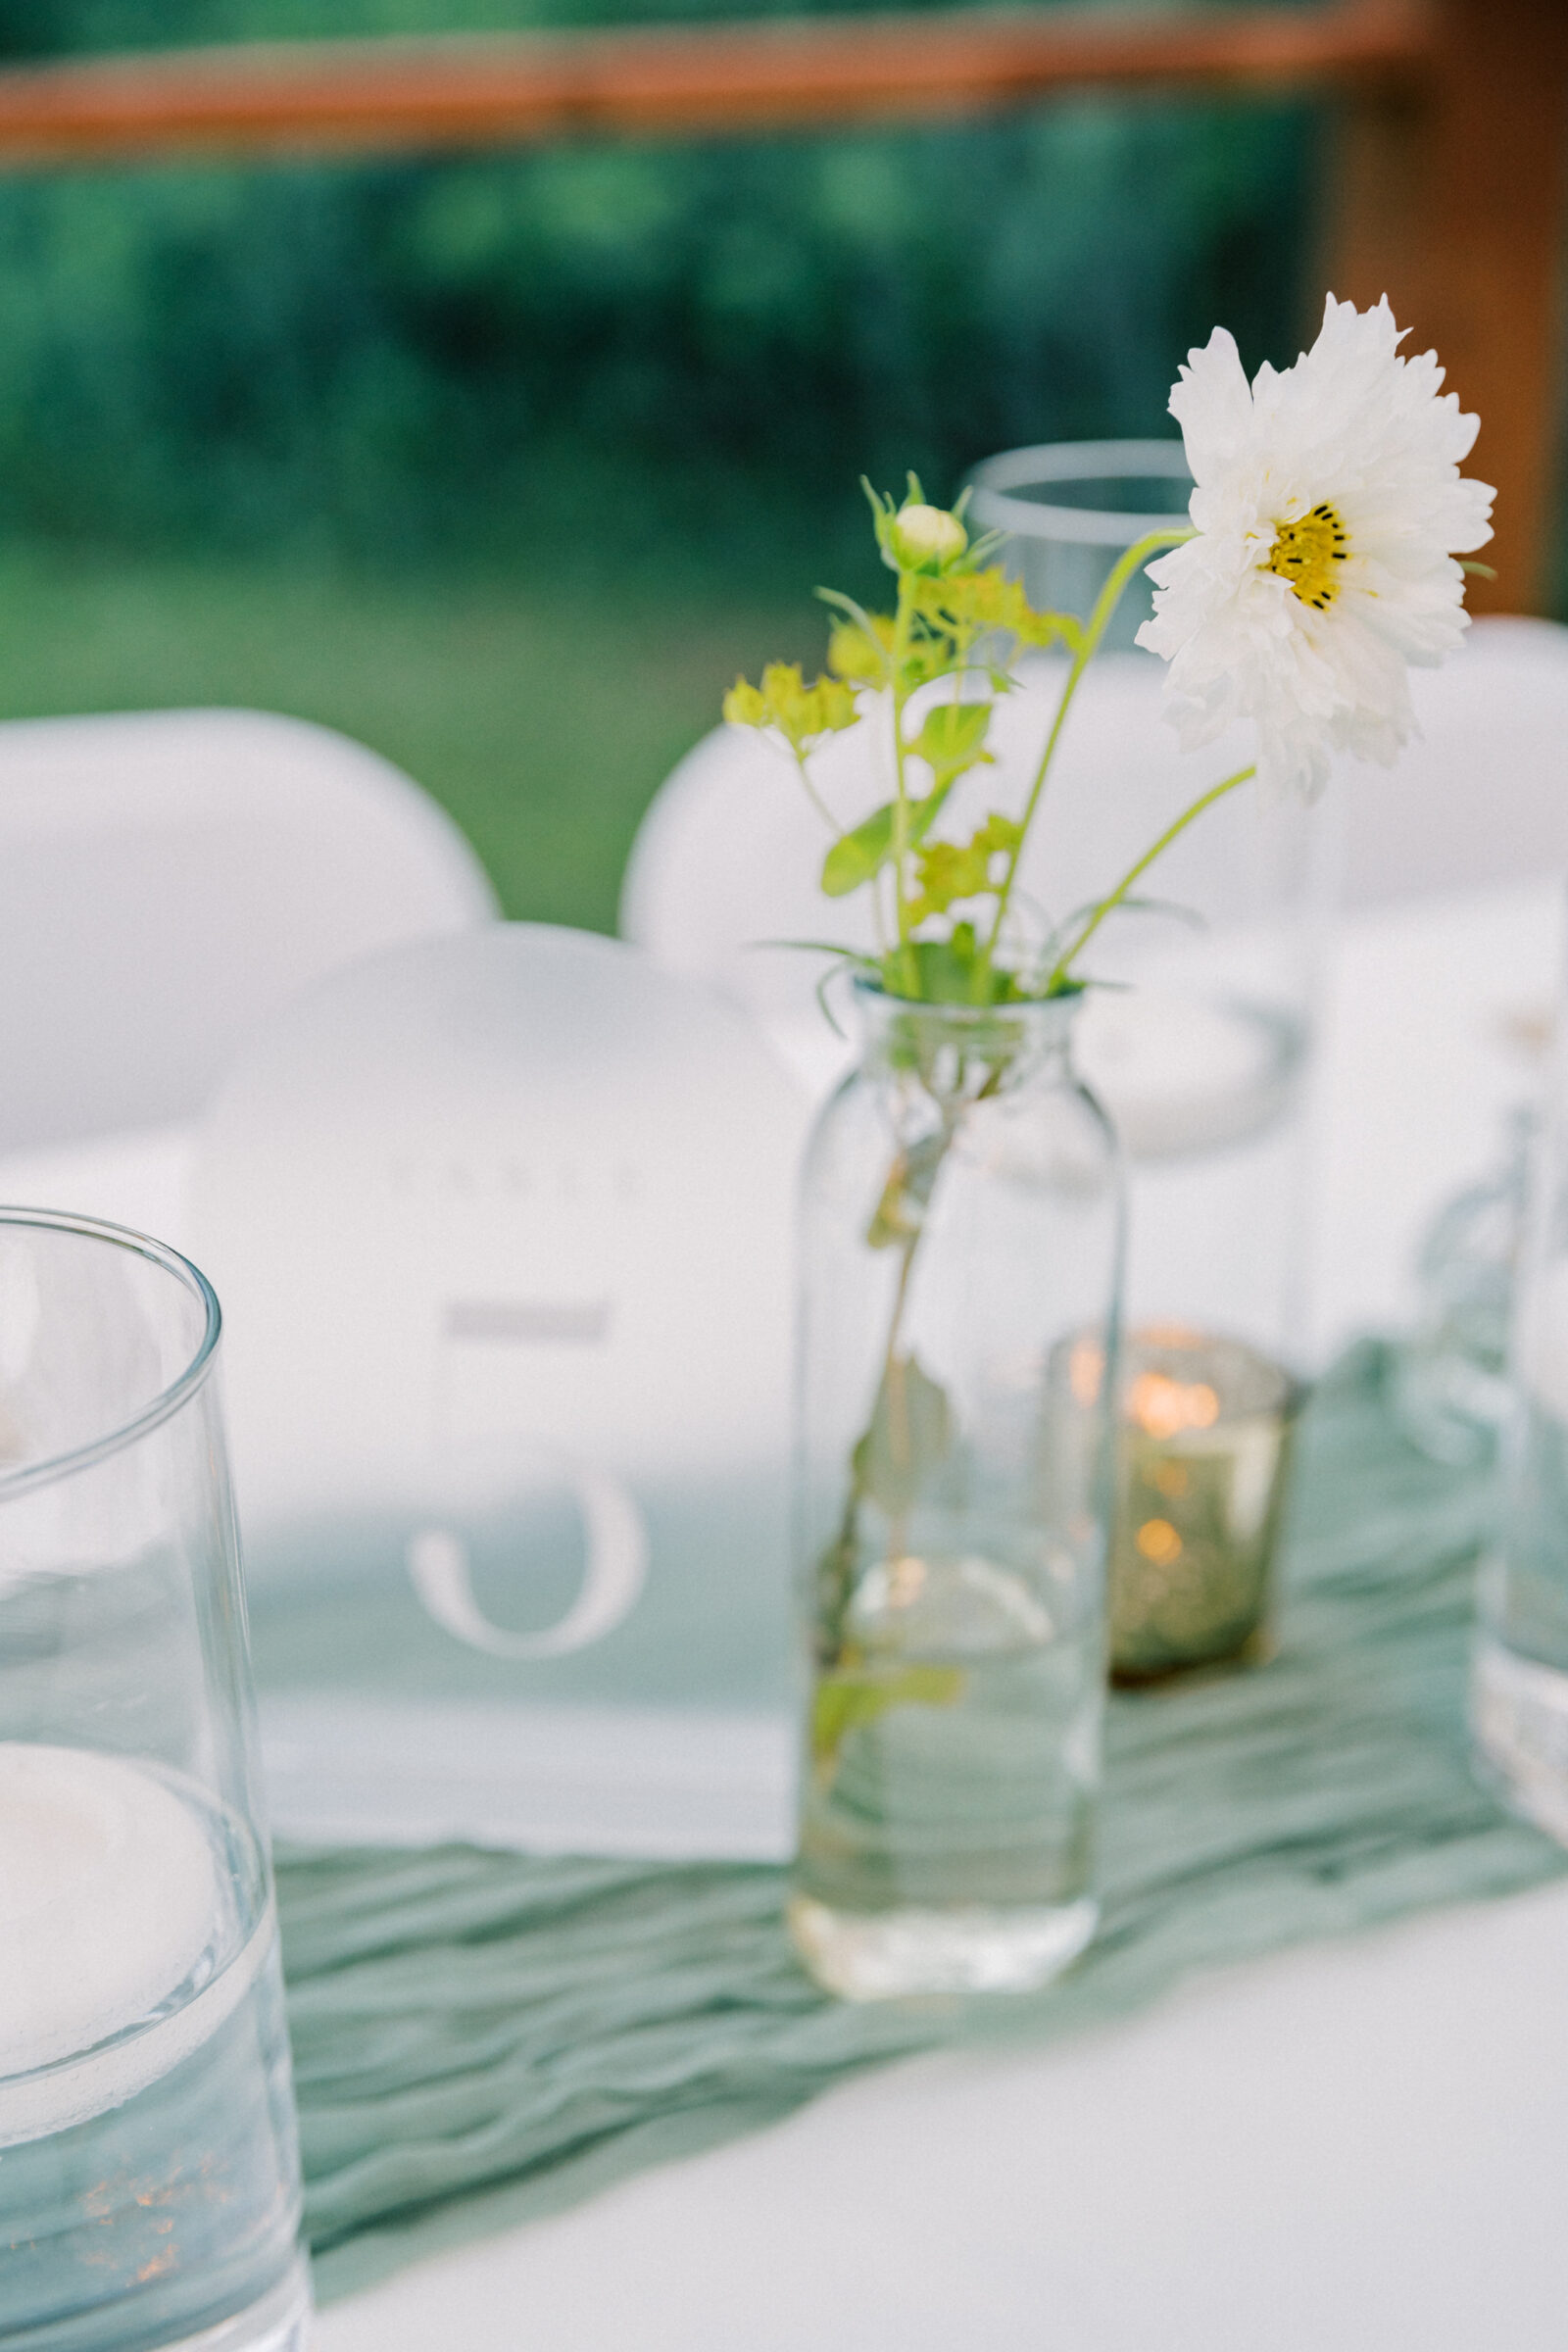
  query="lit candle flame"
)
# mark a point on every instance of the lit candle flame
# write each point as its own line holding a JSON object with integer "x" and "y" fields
{"x": 1158, "y": 1541}
{"x": 1165, "y": 1407}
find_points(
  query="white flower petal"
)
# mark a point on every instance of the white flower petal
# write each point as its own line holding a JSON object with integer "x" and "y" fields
{"x": 1355, "y": 428}
{"x": 1212, "y": 404}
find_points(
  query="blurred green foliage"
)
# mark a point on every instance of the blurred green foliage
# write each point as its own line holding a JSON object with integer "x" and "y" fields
{"x": 427, "y": 448}
{"x": 41, "y": 28}
{"x": 636, "y": 351}
{"x": 488, "y": 689}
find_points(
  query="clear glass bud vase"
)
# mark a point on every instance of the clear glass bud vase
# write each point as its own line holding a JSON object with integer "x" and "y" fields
{"x": 961, "y": 1261}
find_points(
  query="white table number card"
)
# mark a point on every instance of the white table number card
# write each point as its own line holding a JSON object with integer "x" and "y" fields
{"x": 501, "y": 1229}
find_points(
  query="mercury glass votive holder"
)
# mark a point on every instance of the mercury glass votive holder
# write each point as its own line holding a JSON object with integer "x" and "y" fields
{"x": 1203, "y": 1451}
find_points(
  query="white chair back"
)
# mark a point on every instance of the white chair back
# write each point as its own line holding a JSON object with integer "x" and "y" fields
{"x": 1483, "y": 796}
{"x": 167, "y": 879}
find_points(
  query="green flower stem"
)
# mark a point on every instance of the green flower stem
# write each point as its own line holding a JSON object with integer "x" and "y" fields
{"x": 1060, "y": 972}
{"x": 815, "y": 797}
{"x": 836, "y": 1589}
{"x": 1129, "y": 562}
{"x": 879, "y": 920}
{"x": 901, "y": 805}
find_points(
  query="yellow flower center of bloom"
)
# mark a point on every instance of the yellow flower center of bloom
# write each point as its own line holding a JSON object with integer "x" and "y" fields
{"x": 1305, "y": 551}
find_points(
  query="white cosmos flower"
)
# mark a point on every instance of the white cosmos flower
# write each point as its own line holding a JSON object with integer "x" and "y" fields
{"x": 1328, "y": 511}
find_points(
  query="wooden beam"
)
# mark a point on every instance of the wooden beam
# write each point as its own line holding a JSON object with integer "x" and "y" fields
{"x": 713, "y": 80}
{"x": 1453, "y": 201}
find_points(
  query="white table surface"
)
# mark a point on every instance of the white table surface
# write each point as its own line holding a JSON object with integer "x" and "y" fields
{"x": 1351, "y": 2147}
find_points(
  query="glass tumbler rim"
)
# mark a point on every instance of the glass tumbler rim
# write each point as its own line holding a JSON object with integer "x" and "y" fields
{"x": 994, "y": 480}
{"x": 169, "y": 1398}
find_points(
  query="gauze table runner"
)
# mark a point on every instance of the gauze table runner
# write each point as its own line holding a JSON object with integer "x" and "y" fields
{"x": 481, "y": 2038}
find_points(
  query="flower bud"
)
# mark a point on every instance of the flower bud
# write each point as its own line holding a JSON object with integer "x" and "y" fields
{"x": 924, "y": 538}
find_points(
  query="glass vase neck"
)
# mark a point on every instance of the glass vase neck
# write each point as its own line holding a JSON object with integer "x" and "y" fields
{"x": 902, "y": 1034}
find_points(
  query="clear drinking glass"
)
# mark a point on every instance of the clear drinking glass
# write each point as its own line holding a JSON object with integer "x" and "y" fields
{"x": 1071, "y": 508}
{"x": 1451, "y": 1381}
{"x": 961, "y": 1243}
{"x": 1199, "y": 1049}
{"x": 1519, "y": 1688}
{"x": 149, "y": 2175}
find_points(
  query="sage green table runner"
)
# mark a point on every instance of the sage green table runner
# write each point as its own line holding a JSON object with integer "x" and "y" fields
{"x": 483, "y": 2038}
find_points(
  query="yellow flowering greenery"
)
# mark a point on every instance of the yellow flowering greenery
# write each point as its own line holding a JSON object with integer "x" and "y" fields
{"x": 959, "y": 621}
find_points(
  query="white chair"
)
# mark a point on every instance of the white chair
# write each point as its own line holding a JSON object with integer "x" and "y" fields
{"x": 167, "y": 879}
{"x": 1483, "y": 796}
{"x": 727, "y": 855}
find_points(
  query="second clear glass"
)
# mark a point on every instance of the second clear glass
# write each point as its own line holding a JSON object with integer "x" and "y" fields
{"x": 1200, "y": 1047}
{"x": 1519, "y": 1687}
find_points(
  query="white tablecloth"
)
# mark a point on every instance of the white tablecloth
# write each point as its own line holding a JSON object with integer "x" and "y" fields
{"x": 1350, "y": 2148}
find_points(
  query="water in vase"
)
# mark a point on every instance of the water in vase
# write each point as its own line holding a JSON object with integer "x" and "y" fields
{"x": 149, "y": 2180}
{"x": 946, "y": 1832}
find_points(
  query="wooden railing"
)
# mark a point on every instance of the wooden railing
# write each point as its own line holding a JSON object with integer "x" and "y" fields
{"x": 712, "y": 79}
{"x": 1445, "y": 182}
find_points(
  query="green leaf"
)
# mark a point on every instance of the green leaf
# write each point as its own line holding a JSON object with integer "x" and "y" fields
{"x": 924, "y": 815}
{"x": 856, "y": 856}
{"x": 910, "y": 1433}
{"x": 941, "y": 971}
{"x": 952, "y": 738}
{"x": 947, "y": 968}
{"x": 848, "y": 1700}
{"x": 997, "y": 833}
{"x": 948, "y": 871}
{"x": 846, "y": 604}
{"x": 906, "y": 1197}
